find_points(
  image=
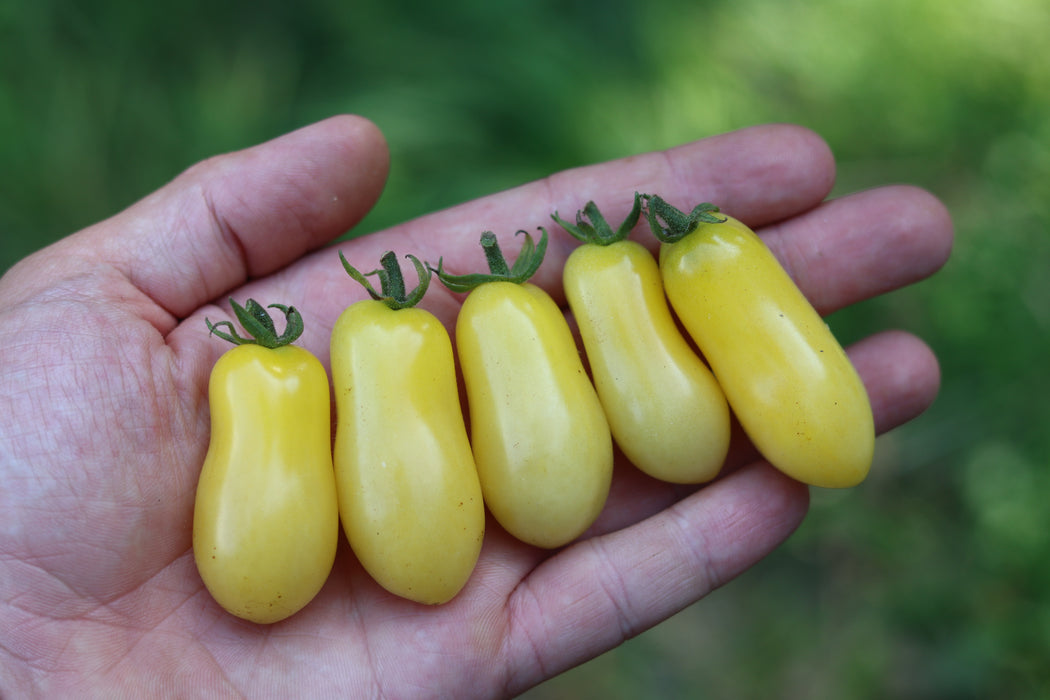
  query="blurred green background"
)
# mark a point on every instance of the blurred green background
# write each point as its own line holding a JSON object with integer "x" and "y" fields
{"x": 932, "y": 580}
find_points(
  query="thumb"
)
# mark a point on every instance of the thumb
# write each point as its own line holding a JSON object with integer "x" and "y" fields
{"x": 231, "y": 217}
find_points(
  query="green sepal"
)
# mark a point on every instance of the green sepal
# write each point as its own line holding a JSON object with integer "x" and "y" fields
{"x": 530, "y": 257}
{"x": 676, "y": 223}
{"x": 259, "y": 326}
{"x": 391, "y": 281}
{"x": 595, "y": 229}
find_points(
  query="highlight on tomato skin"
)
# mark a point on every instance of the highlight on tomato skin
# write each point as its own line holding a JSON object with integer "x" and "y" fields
{"x": 409, "y": 496}
{"x": 666, "y": 410}
{"x": 787, "y": 379}
{"x": 540, "y": 438}
{"x": 265, "y": 521}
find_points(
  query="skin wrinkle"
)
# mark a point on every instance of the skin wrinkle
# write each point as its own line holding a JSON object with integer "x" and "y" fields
{"x": 128, "y": 653}
{"x": 74, "y": 488}
{"x": 713, "y": 576}
{"x": 234, "y": 243}
{"x": 57, "y": 384}
{"x": 368, "y": 643}
{"x": 13, "y": 654}
{"x": 188, "y": 598}
{"x": 560, "y": 241}
{"x": 660, "y": 563}
{"x": 615, "y": 590}
{"x": 226, "y": 678}
{"x": 523, "y": 605}
{"x": 34, "y": 667}
{"x": 56, "y": 562}
{"x": 53, "y": 654}
{"x": 134, "y": 647}
{"x": 696, "y": 540}
{"x": 441, "y": 645}
{"x": 36, "y": 608}
{"x": 139, "y": 272}
{"x": 631, "y": 623}
{"x": 551, "y": 661}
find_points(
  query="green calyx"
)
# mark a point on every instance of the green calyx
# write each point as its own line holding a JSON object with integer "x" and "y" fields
{"x": 259, "y": 326}
{"x": 529, "y": 259}
{"x": 676, "y": 223}
{"x": 595, "y": 229}
{"x": 391, "y": 281}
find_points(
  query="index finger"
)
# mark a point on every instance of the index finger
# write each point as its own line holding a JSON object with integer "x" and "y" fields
{"x": 762, "y": 174}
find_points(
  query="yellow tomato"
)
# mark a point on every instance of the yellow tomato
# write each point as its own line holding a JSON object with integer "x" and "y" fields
{"x": 541, "y": 441}
{"x": 666, "y": 411}
{"x": 266, "y": 523}
{"x": 787, "y": 379}
{"x": 409, "y": 495}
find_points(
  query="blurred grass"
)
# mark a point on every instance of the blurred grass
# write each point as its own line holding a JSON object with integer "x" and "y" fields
{"x": 932, "y": 579}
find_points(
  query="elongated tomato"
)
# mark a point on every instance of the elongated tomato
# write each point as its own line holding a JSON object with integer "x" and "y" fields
{"x": 666, "y": 411}
{"x": 265, "y": 522}
{"x": 541, "y": 440}
{"x": 787, "y": 379}
{"x": 409, "y": 495}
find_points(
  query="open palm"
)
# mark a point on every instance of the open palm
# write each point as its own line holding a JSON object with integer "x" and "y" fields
{"x": 105, "y": 423}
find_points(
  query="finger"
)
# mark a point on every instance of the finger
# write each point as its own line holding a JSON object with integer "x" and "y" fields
{"x": 901, "y": 375}
{"x": 601, "y": 592}
{"x": 902, "y": 379}
{"x": 863, "y": 245}
{"x": 241, "y": 215}
{"x": 673, "y": 553}
{"x": 766, "y": 173}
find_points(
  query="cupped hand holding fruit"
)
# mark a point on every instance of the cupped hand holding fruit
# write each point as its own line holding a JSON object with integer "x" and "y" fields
{"x": 106, "y": 423}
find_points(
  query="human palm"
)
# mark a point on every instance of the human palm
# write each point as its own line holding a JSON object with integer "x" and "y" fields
{"x": 105, "y": 423}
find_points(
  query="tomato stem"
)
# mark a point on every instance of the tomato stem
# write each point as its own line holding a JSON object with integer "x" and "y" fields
{"x": 677, "y": 224}
{"x": 259, "y": 326}
{"x": 596, "y": 229}
{"x": 392, "y": 281}
{"x": 525, "y": 266}
{"x": 493, "y": 255}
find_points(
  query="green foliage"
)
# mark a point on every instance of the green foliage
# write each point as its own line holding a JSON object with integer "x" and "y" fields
{"x": 931, "y": 579}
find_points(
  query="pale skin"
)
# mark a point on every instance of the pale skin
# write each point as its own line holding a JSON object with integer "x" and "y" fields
{"x": 105, "y": 422}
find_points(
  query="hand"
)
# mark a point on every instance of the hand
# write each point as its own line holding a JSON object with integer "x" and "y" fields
{"x": 105, "y": 422}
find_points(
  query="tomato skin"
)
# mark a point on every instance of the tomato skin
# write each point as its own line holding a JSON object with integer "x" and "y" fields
{"x": 667, "y": 412}
{"x": 787, "y": 379}
{"x": 265, "y": 522}
{"x": 541, "y": 440}
{"x": 409, "y": 495}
